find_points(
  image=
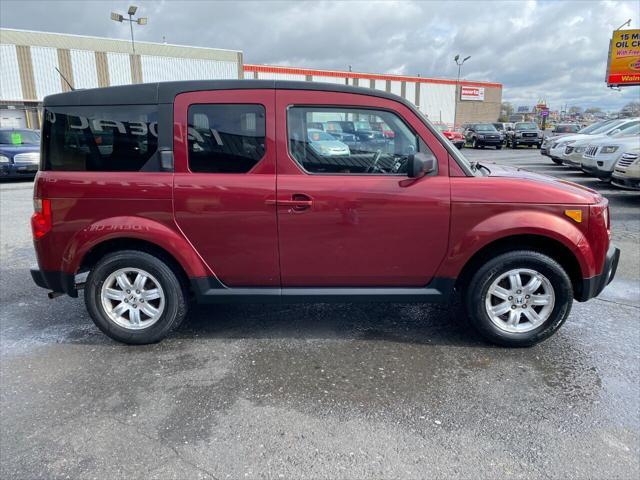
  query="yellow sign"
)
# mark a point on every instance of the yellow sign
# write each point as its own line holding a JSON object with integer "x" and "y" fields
{"x": 624, "y": 58}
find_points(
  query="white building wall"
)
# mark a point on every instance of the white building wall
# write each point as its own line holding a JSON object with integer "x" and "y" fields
{"x": 438, "y": 101}
{"x": 410, "y": 92}
{"x": 320, "y": 78}
{"x": 164, "y": 69}
{"x": 396, "y": 87}
{"x": 279, "y": 76}
{"x": 10, "y": 84}
{"x": 83, "y": 65}
{"x": 47, "y": 79}
{"x": 119, "y": 68}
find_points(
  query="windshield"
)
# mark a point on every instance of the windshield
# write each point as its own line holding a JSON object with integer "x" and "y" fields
{"x": 319, "y": 136}
{"x": 631, "y": 128}
{"x": 485, "y": 127}
{"x": 594, "y": 126}
{"x": 19, "y": 137}
{"x": 526, "y": 126}
{"x": 362, "y": 125}
{"x": 607, "y": 127}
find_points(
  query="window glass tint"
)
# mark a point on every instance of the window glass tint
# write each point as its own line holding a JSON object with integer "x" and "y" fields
{"x": 101, "y": 138}
{"x": 348, "y": 142}
{"x": 226, "y": 138}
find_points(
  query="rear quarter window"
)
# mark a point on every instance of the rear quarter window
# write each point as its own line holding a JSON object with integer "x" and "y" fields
{"x": 122, "y": 138}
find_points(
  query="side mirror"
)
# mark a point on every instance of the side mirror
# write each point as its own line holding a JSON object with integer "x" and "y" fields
{"x": 420, "y": 165}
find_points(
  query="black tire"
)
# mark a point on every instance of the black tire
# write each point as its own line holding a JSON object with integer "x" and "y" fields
{"x": 514, "y": 144}
{"x": 557, "y": 161}
{"x": 477, "y": 288}
{"x": 498, "y": 147}
{"x": 539, "y": 145}
{"x": 175, "y": 309}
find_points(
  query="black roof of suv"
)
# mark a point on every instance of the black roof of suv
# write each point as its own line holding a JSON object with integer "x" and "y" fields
{"x": 165, "y": 92}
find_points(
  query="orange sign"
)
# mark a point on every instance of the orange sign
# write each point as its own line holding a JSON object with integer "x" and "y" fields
{"x": 624, "y": 58}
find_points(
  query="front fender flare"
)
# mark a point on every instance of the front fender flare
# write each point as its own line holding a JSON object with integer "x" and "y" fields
{"x": 514, "y": 223}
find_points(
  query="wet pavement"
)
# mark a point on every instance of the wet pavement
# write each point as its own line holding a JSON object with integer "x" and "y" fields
{"x": 318, "y": 391}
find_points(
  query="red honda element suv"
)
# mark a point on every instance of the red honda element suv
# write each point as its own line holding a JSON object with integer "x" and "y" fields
{"x": 151, "y": 195}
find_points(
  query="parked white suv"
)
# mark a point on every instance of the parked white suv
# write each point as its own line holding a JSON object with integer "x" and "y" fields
{"x": 573, "y": 151}
{"x": 558, "y": 145}
{"x": 600, "y": 156}
{"x": 626, "y": 173}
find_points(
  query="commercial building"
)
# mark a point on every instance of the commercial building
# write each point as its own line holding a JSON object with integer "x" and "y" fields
{"x": 442, "y": 100}
{"x": 28, "y": 63}
{"x": 29, "y": 60}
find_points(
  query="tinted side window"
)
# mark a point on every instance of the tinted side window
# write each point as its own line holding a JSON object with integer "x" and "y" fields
{"x": 348, "y": 144}
{"x": 226, "y": 138}
{"x": 101, "y": 138}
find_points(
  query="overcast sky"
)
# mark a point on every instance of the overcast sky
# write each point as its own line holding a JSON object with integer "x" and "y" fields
{"x": 538, "y": 49}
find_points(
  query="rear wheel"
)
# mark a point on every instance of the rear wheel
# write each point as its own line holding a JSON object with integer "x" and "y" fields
{"x": 557, "y": 161}
{"x": 135, "y": 297}
{"x": 519, "y": 298}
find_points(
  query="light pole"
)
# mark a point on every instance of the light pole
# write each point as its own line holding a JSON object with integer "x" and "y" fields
{"x": 131, "y": 12}
{"x": 459, "y": 63}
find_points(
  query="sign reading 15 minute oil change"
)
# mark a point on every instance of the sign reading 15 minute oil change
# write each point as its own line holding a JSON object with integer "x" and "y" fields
{"x": 624, "y": 58}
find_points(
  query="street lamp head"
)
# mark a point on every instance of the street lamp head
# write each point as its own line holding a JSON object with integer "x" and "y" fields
{"x": 456, "y": 58}
{"x": 142, "y": 21}
{"x": 116, "y": 17}
{"x": 132, "y": 10}
{"x": 467, "y": 58}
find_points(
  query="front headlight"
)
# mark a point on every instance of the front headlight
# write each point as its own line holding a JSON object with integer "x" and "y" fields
{"x": 609, "y": 149}
{"x": 580, "y": 149}
{"x": 4, "y": 159}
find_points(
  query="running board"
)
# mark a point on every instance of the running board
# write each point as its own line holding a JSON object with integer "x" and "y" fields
{"x": 211, "y": 290}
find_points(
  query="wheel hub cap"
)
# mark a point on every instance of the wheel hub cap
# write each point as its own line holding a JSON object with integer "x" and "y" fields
{"x": 132, "y": 298}
{"x": 520, "y": 300}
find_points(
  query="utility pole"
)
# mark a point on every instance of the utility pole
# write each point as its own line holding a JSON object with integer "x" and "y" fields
{"x": 116, "y": 17}
{"x": 459, "y": 63}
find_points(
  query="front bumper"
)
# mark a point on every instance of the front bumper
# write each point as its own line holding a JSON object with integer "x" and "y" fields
{"x": 625, "y": 182}
{"x": 18, "y": 170}
{"x": 592, "y": 287}
{"x": 595, "y": 171}
{"x": 528, "y": 140}
{"x": 59, "y": 282}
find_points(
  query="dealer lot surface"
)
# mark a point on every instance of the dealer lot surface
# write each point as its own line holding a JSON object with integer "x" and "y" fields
{"x": 319, "y": 391}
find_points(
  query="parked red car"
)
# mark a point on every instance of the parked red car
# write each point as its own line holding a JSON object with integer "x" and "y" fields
{"x": 454, "y": 136}
{"x": 151, "y": 195}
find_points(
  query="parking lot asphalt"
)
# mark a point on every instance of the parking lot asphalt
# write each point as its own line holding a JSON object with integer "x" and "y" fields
{"x": 319, "y": 391}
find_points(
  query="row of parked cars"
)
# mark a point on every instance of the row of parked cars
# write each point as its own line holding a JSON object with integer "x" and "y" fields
{"x": 497, "y": 135}
{"x": 608, "y": 150}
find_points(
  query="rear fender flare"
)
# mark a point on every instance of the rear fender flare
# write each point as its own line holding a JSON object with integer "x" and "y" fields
{"x": 138, "y": 228}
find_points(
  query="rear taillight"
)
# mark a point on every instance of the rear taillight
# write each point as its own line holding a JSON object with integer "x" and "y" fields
{"x": 607, "y": 219}
{"x": 41, "y": 219}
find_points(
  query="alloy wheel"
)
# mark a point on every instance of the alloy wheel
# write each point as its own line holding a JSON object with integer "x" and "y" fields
{"x": 132, "y": 298}
{"x": 520, "y": 300}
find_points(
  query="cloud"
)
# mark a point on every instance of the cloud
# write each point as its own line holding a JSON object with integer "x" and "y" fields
{"x": 538, "y": 50}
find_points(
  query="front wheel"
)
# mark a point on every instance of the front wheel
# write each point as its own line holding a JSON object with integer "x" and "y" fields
{"x": 519, "y": 298}
{"x": 557, "y": 161}
{"x": 135, "y": 297}
{"x": 514, "y": 144}
{"x": 498, "y": 147}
